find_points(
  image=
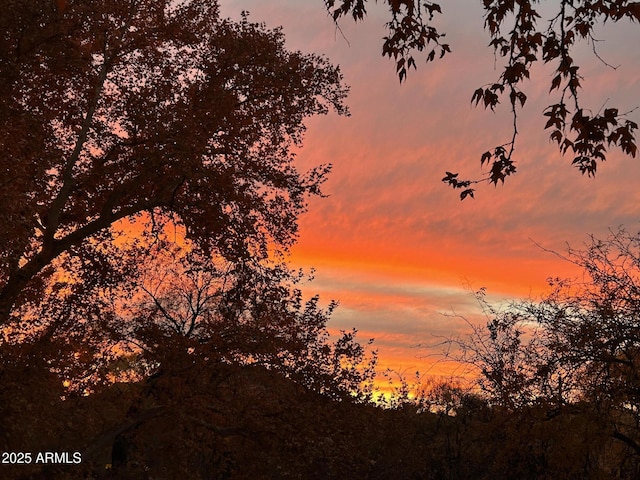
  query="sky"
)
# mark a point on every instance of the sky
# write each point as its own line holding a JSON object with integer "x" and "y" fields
{"x": 392, "y": 243}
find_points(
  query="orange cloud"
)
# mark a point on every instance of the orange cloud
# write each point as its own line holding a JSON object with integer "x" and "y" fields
{"x": 392, "y": 242}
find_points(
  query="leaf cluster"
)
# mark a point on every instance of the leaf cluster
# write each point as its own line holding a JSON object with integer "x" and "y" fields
{"x": 409, "y": 30}
{"x": 518, "y": 38}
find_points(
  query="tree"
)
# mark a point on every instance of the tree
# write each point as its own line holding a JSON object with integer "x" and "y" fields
{"x": 237, "y": 315}
{"x": 574, "y": 353}
{"x": 595, "y": 329}
{"x": 118, "y": 109}
{"x": 149, "y": 194}
{"x": 518, "y": 35}
{"x": 502, "y": 355}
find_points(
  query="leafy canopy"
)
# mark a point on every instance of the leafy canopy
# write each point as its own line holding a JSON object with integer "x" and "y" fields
{"x": 114, "y": 109}
{"x": 521, "y": 37}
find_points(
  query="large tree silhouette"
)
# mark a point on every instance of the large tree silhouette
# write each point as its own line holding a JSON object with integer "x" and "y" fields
{"x": 521, "y": 37}
{"x": 114, "y": 109}
{"x": 148, "y": 194}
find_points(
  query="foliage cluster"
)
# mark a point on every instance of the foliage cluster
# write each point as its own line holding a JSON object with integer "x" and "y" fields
{"x": 114, "y": 110}
{"x": 520, "y": 37}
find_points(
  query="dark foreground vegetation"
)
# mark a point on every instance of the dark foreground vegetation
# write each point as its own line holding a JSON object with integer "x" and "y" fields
{"x": 557, "y": 396}
{"x": 247, "y": 422}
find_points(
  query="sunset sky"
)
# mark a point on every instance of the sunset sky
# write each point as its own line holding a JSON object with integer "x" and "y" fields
{"x": 392, "y": 243}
